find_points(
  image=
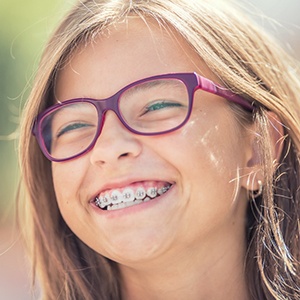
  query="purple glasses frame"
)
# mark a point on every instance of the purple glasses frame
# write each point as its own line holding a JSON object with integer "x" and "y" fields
{"x": 192, "y": 81}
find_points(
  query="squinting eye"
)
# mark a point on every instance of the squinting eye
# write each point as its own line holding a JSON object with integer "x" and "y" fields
{"x": 160, "y": 105}
{"x": 72, "y": 127}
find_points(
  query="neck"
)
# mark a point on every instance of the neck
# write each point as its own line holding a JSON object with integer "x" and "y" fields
{"x": 216, "y": 275}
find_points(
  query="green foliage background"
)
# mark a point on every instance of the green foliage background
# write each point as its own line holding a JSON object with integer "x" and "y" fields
{"x": 24, "y": 28}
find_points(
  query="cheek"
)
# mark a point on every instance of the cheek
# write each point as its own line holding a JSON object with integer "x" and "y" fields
{"x": 210, "y": 169}
{"x": 212, "y": 150}
{"x": 67, "y": 179}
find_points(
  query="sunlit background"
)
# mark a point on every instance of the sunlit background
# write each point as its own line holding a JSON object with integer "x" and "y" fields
{"x": 24, "y": 28}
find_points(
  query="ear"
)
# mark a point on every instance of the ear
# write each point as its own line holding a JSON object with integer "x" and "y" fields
{"x": 252, "y": 172}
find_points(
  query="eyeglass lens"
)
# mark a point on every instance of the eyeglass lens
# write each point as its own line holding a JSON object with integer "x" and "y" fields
{"x": 150, "y": 107}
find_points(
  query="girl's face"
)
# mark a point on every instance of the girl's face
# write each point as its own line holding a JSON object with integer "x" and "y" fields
{"x": 203, "y": 211}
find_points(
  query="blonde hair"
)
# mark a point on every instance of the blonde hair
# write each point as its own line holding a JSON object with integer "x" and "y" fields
{"x": 245, "y": 60}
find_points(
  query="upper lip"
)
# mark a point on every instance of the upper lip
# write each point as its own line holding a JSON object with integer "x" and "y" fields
{"x": 119, "y": 184}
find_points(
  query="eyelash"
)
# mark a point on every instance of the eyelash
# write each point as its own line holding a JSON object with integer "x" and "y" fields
{"x": 160, "y": 105}
{"x": 71, "y": 127}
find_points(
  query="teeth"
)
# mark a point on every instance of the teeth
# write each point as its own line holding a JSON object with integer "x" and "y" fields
{"x": 116, "y": 206}
{"x": 163, "y": 190}
{"x": 117, "y": 200}
{"x": 106, "y": 199}
{"x": 128, "y": 195}
{"x": 116, "y": 197}
{"x": 100, "y": 202}
{"x": 152, "y": 192}
{"x": 138, "y": 201}
{"x": 123, "y": 205}
{"x": 140, "y": 194}
{"x": 147, "y": 199}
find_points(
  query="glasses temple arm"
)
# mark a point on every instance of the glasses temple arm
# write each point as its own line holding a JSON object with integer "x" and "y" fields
{"x": 209, "y": 86}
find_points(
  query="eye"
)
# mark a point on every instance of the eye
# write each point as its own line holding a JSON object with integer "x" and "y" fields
{"x": 72, "y": 127}
{"x": 159, "y": 105}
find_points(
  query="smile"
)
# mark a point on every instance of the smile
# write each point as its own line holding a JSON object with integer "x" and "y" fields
{"x": 129, "y": 196}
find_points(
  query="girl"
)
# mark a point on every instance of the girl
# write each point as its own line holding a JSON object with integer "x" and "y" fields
{"x": 160, "y": 156}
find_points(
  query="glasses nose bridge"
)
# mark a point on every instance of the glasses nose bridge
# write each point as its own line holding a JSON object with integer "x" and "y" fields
{"x": 110, "y": 103}
{"x": 103, "y": 106}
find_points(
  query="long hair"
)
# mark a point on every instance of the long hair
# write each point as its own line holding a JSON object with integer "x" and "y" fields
{"x": 246, "y": 61}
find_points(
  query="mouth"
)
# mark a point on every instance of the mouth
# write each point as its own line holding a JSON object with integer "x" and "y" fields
{"x": 134, "y": 194}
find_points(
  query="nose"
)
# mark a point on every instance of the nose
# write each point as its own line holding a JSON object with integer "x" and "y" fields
{"x": 115, "y": 143}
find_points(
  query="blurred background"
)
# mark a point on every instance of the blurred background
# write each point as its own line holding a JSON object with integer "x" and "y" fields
{"x": 24, "y": 29}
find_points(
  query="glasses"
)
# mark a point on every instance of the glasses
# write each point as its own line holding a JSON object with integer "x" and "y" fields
{"x": 150, "y": 106}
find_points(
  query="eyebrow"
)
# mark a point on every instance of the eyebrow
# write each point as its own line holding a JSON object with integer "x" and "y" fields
{"x": 155, "y": 83}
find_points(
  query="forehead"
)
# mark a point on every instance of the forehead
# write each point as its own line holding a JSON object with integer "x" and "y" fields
{"x": 123, "y": 53}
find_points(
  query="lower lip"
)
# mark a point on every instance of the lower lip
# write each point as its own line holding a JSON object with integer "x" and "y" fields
{"x": 135, "y": 208}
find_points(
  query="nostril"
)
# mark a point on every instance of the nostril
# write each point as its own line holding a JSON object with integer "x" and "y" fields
{"x": 124, "y": 154}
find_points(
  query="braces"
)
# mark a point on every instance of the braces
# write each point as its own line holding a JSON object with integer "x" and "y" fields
{"x": 141, "y": 195}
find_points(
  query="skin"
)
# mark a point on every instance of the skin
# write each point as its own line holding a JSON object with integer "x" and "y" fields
{"x": 189, "y": 243}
